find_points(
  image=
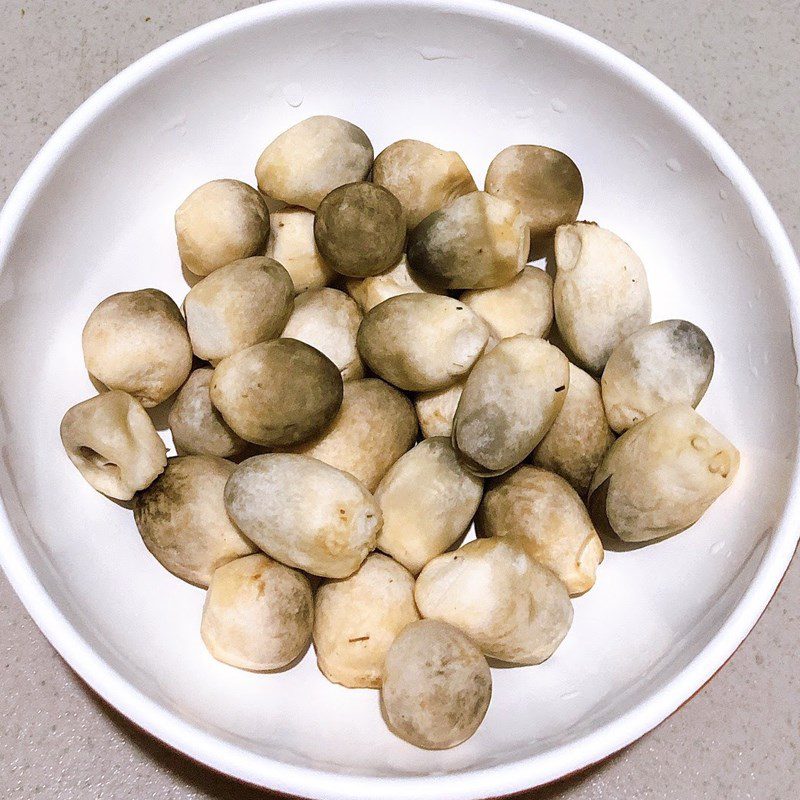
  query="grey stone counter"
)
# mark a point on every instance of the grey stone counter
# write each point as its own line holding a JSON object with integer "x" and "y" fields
{"x": 739, "y": 64}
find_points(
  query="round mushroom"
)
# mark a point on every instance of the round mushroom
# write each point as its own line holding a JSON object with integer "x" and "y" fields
{"x": 137, "y": 342}
{"x": 182, "y": 520}
{"x": 511, "y": 606}
{"x": 374, "y": 427}
{"x": 545, "y": 512}
{"x": 312, "y": 158}
{"x": 600, "y": 294}
{"x": 579, "y": 437}
{"x": 422, "y": 177}
{"x": 436, "y": 686}
{"x": 291, "y": 243}
{"x": 357, "y": 619}
{"x": 238, "y": 305}
{"x": 523, "y": 305}
{"x": 220, "y": 222}
{"x": 277, "y": 393}
{"x": 510, "y": 400}
{"x": 661, "y": 476}
{"x": 258, "y": 614}
{"x": 360, "y": 229}
{"x": 328, "y": 320}
{"x": 477, "y": 242}
{"x": 437, "y": 409}
{"x": 197, "y": 427}
{"x": 421, "y": 342}
{"x": 663, "y": 364}
{"x": 304, "y": 513}
{"x": 543, "y": 183}
{"x": 368, "y": 292}
{"x": 427, "y": 500}
{"x": 110, "y": 438}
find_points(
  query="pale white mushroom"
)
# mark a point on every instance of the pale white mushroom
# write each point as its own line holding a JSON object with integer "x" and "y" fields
{"x": 422, "y": 177}
{"x": 110, "y": 438}
{"x": 328, "y": 320}
{"x": 137, "y": 342}
{"x": 370, "y": 291}
{"x": 546, "y": 513}
{"x": 258, "y": 614}
{"x": 600, "y": 294}
{"x": 238, "y": 305}
{"x": 313, "y": 157}
{"x": 511, "y": 606}
{"x": 523, "y": 305}
{"x": 427, "y": 500}
{"x": 661, "y": 476}
{"x": 357, "y": 619}
{"x": 374, "y": 427}
{"x": 510, "y": 400}
{"x": 304, "y": 513}
{"x": 421, "y": 342}
{"x": 437, "y": 409}
{"x": 580, "y": 435}
{"x": 219, "y": 222}
{"x": 291, "y": 243}
{"x": 665, "y": 363}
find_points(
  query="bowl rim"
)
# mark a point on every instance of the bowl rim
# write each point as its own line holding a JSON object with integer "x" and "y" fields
{"x": 493, "y": 781}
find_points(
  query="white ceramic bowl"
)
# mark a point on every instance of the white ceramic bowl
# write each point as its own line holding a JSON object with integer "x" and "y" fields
{"x": 93, "y": 215}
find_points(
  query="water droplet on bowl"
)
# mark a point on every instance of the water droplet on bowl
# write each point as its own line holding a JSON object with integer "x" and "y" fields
{"x": 642, "y": 142}
{"x": 723, "y": 195}
{"x": 559, "y": 106}
{"x": 674, "y": 165}
{"x": 724, "y": 215}
{"x": 525, "y": 113}
{"x": 518, "y": 44}
{"x": 716, "y": 548}
{"x": 570, "y": 695}
{"x": 293, "y": 94}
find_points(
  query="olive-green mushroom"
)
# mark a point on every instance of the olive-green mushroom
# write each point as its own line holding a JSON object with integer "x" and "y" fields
{"x": 197, "y": 427}
{"x": 312, "y": 158}
{"x": 545, "y": 184}
{"x": 421, "y": 342}
{"x": 477, "y": 242}
{"x": 600, "y": 294}
{"x": 238, "y": 305}
{"x": 663, "y": 364}
{"x": 360, "y": 229}
{"x": 436, "y": 686}
{"x": 291, "y": 243}
{"x": 277, "y": 393}
{"x": 182, "y": 519}
{"x": 258, "y": 614}
{"x": 436, "y": 410}
{"x": 304, "y": 513}
{"x": 374, "y": 427}
{"x": 422, "y": 177}
{"x": 427, "y": 500}
{"x": 368, "y": 292}
{"x": 356, "y": 619}
{"x": 580, "y": 435}
{"x": 220, "y": 222}
{"x": 137, "y": 342}
{"x": 661, "y": 476}
{"x": 110, "y": 438}
{"x": 510, "y": 605}
{"x": 523, "y": 305}
{"x": 545, "y": 512}
{"x": 328, "y": 320}
{"x": 510, "y": 400}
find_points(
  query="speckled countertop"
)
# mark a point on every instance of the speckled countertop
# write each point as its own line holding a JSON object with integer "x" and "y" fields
{"x": 738, "y": 62}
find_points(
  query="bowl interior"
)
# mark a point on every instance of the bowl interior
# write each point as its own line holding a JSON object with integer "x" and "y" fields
{"x": 100, "y": 221}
